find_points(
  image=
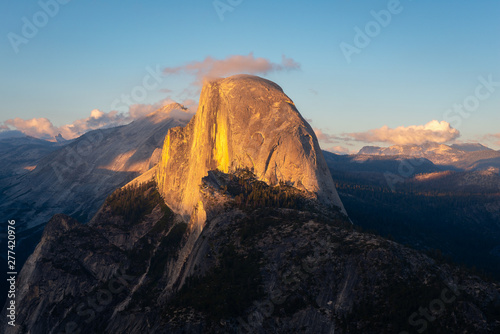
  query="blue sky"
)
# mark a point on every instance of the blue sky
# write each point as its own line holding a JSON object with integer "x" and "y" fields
{"x": 428, "y": 57}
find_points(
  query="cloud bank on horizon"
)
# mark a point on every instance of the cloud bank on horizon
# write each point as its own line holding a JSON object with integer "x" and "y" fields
{"x": 207, "y": 69}
{"x": 43, "y": 128}
{"x": 440, "y": 132}
{"x": 434, "y": 131}
{"x": 492, "y": 137}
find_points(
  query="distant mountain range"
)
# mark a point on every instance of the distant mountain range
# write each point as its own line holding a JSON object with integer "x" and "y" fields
{"x": 456, "y": 156}
{"x": 430, "y": 196}
{"x": 40, "y": 178}
{"x": 21, "y": 154}
{"x": 75, "y": 178}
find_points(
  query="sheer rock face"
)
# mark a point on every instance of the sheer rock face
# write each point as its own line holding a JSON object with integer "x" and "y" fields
{"x": 242, "y": 121}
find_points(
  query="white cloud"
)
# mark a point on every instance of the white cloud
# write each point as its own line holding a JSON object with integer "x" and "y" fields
{"x": 35, "y": 127}
{"x": 96, "y": 113}
{"x": 434, "y": 131}
{"x": 97, "y": 120}
{"x": 44, "y": 129}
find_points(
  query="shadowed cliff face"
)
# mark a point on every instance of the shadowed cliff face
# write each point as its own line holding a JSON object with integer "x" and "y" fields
{"x": 242, "y": 121}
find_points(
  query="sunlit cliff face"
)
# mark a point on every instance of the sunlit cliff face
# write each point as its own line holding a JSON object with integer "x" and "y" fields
{"x": 242, "y": 121}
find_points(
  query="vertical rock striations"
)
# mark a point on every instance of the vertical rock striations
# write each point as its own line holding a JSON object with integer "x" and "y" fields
{"x": 242, "y": 121}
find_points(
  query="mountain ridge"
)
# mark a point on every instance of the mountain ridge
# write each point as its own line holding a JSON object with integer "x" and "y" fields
{"x": 76, "y": 176}
{"x": 461, "y": 156}
{"x": 91, "y": 166}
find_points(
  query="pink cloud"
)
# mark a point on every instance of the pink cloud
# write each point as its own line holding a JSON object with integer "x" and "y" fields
{"x": 44, "y": 129}
{"x": 338, "y": 150}
{"x": 493, "y": 137}
{"x": 325, "y": 137}
{"x": 211, "y": 68}
{"x": 434, "y": 131}
{"x": 35, "y": 127}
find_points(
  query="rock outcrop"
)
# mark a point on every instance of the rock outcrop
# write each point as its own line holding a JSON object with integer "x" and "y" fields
{"x": 242, "y": 121}
{"x": 254, "y": 269}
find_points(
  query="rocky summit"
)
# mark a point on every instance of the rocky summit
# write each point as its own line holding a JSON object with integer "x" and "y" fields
{"x": 242, "y": 122}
